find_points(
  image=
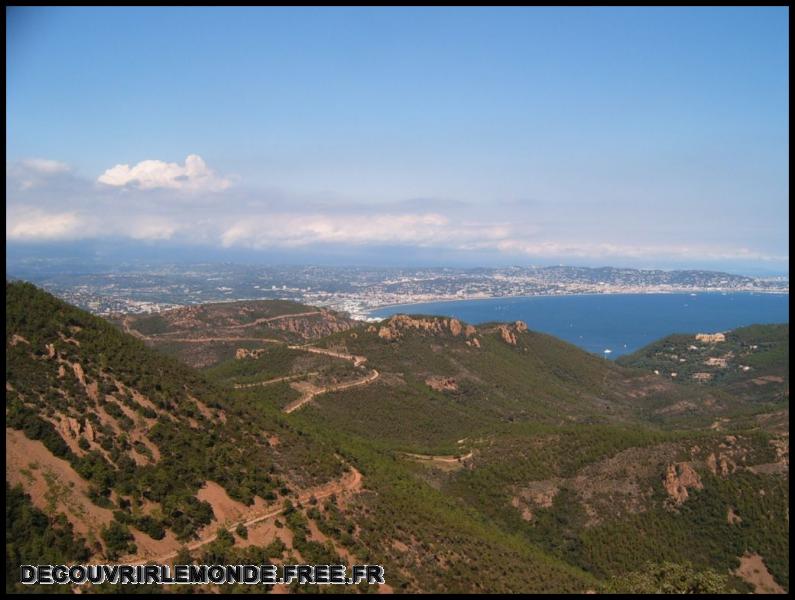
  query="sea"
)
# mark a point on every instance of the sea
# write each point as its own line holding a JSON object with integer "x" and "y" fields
{"x": 614, "y": 324}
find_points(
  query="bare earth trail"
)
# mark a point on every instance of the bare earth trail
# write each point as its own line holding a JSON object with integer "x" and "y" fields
{"x": 356, "y": 360}
{"x": 309, "y": 394}
{"x": 168, "y": 336}
{"x": 351, "y": 482}
{"x": 211, "y": 339}
{"x": 242, "y": 386}
{"x": 133, "y": 332}
{"x": 296, "y": 404}
{"x": 271, "y": 319}
{"x": 443, "y": 459}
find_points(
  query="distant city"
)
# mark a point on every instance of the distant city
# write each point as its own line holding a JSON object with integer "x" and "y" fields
{"x": 357, "y": 291}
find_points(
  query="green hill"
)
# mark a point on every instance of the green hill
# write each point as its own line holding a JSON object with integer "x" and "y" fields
{"x": 206, "y": 334}
{"x": 750, "y": 362}
{"x": 134, "y": 434}
{"x": 462, "y": 458}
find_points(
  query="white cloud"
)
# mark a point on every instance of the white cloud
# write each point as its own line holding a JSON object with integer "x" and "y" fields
{"x": 46, "y": 200}
{"x": 45, "y": 166}
{"x": 151, "y": 229}
{"x": 35, "y": 172}
{"x": 291, "y": 229}
{"x": 38, "y": 225}
{"x": 583, "y": 249}
{"x": 194, "y": 176}
{"x": 435, "y": 230}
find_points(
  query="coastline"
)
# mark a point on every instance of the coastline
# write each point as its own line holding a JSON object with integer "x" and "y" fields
{"x": 368, "y": 313}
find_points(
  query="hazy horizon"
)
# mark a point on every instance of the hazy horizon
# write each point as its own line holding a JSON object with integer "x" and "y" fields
{"x": 642, "y": 138}
{"x": 99, "y": 257}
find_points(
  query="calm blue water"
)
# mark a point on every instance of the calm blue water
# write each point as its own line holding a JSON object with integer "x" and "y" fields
{"x": 619, "y": 322}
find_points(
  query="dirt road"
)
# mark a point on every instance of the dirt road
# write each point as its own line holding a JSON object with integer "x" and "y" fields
{"x": 356, "y": 360}
{"x": 351, "y": 482}
{"x": 296, "y": 404}
{"x": 242, "y": 386}
{"x": 270, "y": 319}
{"x": 213, "y": 339}
{"x": 439, "y": 458}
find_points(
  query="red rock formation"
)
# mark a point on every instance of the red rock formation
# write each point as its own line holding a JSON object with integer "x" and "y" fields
{"x": 678, "y": 478}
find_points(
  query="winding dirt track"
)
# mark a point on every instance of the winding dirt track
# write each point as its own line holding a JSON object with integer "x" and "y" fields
{"x": 356, "y": 360}
{"x": 213, "y": 339}
{"x": 278, "y": 318}
{"x": 296, "y": 404}
{"x": 308, "y": 395}
{"x": 351, "y": 482}
{"x": 440, "y": 458}
{"x": 242, "y": 386}
{"x": 133, "y": 332}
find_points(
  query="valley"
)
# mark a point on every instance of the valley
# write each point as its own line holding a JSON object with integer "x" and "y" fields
{"x": 271, "y": 430}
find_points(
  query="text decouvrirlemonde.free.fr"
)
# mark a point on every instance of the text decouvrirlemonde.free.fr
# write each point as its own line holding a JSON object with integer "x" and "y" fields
{"x": 201, "y": 574}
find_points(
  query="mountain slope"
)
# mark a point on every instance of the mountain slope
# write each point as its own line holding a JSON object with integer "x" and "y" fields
{"x": 443, "y": 451}
{"x": 135, "y": 435}
{"x": 206, "y": 334}
{"x": 142, "y": 455}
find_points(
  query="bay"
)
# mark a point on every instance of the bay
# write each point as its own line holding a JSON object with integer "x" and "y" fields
{"x": 621, "y": 323}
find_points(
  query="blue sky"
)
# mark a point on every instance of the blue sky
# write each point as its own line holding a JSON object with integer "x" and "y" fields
{"x": 651, "y": 137}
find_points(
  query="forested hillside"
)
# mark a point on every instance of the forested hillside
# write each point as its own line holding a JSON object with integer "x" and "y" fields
{"x": 462, "y": 458}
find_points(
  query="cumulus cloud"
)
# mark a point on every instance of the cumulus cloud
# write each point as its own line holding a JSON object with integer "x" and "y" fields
{"x": 194, "y": 176}
{"x": 47, "y": 200}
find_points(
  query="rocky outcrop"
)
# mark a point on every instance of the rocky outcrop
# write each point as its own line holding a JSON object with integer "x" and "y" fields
{"x": 74, "y": 426}
{"x": 90, "y": 432}
{"x": 508, "y": 332}
{"x": 395, "y": 327}
{"x": 387, "y": 333}
{"x": 442, "y": 384}
{"x": 16, "y": 339}
{"x": 720, "y": 464}
{"x": 78, "y": 371}
{"x": 313, "y": 327}
{"x": 732, "y": 518}
{"x": 526, "y": 513}
{"x": 507, "y": 335}
{"x": 679, "y": 477}
{"x": 242, "y": 353}
{"x": 455, "y": 327}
